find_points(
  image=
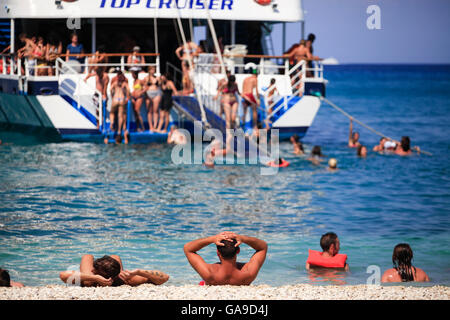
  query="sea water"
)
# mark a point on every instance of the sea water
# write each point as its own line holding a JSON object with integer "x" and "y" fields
{"x": 60, "y": 201}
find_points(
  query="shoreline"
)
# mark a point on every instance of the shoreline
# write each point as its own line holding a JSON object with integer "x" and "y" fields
{"x": 258, "y": 292}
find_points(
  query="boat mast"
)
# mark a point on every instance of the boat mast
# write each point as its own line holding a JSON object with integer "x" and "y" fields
{"x": 94, "y": 35}
{"x": 12, "y": 37}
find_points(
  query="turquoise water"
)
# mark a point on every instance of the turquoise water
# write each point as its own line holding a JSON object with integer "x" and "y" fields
{"x": 59, "y": 201}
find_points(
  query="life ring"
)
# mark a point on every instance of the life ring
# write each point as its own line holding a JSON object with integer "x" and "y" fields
{"x": 315, "y": 259}
{"x": 263, "y": 2}
{"x": 283, "y": 164}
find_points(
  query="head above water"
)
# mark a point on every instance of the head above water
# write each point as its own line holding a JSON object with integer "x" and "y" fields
{"x": 402, "y": 261}
{"x": 361, "y": 151}
{"x": 229, "y": 250}
{"x": 316, "y": 151}
{"x": 332, "y": 163}
{"x": 107, "y": 267}
{"x": 329, "y": 242}
{"x": 5, "y": 280}
{"x": 405, "y": 143}
{"x": 355, "y": 136}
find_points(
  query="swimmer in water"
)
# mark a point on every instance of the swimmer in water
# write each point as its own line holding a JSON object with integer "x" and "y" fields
{"x": 361, "y": 151}
{"x": 298, "y": 146}
{"x": 403, "y": 270}
{"x": 353, "y": 137}
{"x": 380, "y": 147}
{"x": 332, "y": 165}
{"x": 175, "y": 136}
{"x": 316, "y": 155}
{"x": 404, "y": 148}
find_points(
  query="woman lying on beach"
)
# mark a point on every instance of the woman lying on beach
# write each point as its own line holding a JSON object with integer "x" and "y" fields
{"x": 108, "y": 271}
{"x": 403, "y": 270}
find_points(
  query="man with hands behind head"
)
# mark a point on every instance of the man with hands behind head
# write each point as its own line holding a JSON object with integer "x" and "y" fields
{"x": 228, "y": 271}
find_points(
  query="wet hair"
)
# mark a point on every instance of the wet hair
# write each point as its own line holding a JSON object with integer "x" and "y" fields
{"x": 296, "y": 138}
{"x": 359, "y": 149}
{"x": 5, "y": 280}
{"x": 405, "y": 143}
{"x": 401, "y": 259}
{"x": 107, "y": 267}
{"x": 354, "y": 134}
{"x": 327, "y": 240}
{"x": 311, "y": 37}
{"x": 316, "y": 151}
{"x": 228, "y": 251}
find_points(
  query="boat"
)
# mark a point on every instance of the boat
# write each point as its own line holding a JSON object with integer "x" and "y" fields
{"x": 65, "y": 107}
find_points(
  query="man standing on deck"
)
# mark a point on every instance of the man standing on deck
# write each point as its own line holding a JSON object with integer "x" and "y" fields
{"x": 251, "y": 83}
{"x": 227, "y": 271}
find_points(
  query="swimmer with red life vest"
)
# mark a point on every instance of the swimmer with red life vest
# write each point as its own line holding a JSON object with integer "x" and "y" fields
{"x": 278, "y": 163}
{"x": 330, "y": 257}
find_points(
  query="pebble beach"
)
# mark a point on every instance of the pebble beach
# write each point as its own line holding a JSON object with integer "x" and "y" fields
{"x": 260, "y": 292}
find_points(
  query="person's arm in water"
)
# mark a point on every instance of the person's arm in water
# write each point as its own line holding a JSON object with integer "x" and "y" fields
{"x": 197, "y": 262}
{"x": 257, "y": 260}
{"x": 350, "y": 135}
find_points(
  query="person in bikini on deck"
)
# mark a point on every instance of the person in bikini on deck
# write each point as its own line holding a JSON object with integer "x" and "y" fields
{"x": 228, "y": 90}
{"x": 228, "y": 271}
{"x": 137, "y": 98}
{"x": 249, "y": 85}
{"x": 154, "y": 95}
{"x": 168, "y": 90}
{"x": 120, "y": 95}
{"x": 108, "y": 271}
{"x": 184, "y": 56}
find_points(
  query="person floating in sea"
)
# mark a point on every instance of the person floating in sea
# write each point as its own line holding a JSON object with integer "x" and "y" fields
{"x": 332, "y": 165}
{"x": 361, "y": 151}
{"x": 298, "y": 146}
{"x": 380, "y": 147}
{"x": 330, "y": 256}
{"x": 316, "y": 155}
{"x": 403, "y": 270}
{"x": 228, "y": 271}
{"x": 5, "y": 280}
{"x": 279, "y": 163}
{"x": 108, "y": 271}
{"x": 353, "y": 137}
{"x": 404, "y": 147}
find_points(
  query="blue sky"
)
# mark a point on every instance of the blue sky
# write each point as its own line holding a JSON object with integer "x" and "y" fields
{"x": 412, "y": 31}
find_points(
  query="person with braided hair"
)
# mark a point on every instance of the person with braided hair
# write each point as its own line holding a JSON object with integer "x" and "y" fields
{"x": 403, "y": 270}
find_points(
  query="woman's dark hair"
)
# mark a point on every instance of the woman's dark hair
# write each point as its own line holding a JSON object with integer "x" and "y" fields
{"x": 359, "y": 149}
{"x": 231, "y": 82}
{"x": 229, "y": 250}
{"x": 316, "y": 151}
{"x": 5, "y": 280}
{"x": 311, "y": 37}
{"x": 327, "y": 240}
{"x": 405, "y": 143}
{"x": 401, "y": 258}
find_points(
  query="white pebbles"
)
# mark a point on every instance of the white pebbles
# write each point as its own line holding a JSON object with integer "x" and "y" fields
{"x": 260, "y": 292}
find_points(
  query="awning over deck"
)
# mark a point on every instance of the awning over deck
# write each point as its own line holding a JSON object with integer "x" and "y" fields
{"x": 260, "y": 10}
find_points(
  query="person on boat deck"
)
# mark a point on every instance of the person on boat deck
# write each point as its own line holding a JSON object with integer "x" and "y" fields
{"x": 54, "y": 49}
{"x": 272, "y": 93}
{"x": 332, "y": 165}
{"x": 168, "y": 90}
{"x": 40, "y": 53}
{"x": 27, "y": 51}
{"x": 329, "y": 257}
{"x": 229, "y": 101}
{"x": 404, "y": 147}
{"x": 316, "y": 155}
{"x": 153, "y": 100}
{"x": 5, "y": 280}
{"x": 353, "y": 137}
{"x": 380, "y": 147}
{"x": 74, "y": 48}
{"x": 228, "y": 271}
{"x": 120, "y": 95}
{"x": 187, "y": 54}
{"x": 99, "y": 57}
{"x": 137, "y": 97}
{"x": 403, "y": 270}
{"x": 136, "y": 59}
{"x": 188, "y": 85}
{"x": 221, "y": 84}
{"x": 175, "y": 136}
{"x": 361, "y": 151}
{"x": 309, "y": 47}
{"x": 298, "y": 146}
{"x": 108, "y": 271}
{"x": 249, "y": 85}
{"x": 101, "y": 81}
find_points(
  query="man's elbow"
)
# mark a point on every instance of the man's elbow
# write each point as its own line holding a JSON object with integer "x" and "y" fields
{"x": 64, "y": 276}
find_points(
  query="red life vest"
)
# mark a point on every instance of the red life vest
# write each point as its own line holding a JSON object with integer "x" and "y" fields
{"x": 263, "y": 2}
{"x": 315, "y": 258}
